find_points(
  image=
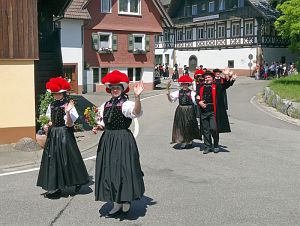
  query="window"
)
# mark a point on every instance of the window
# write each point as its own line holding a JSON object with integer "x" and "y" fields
{"x": 105, "y": 41}
{"x": 210, "y": 32}
{"x": 105, "y": 6}
{"x": 166, "y": 36}
{"x": 203, "y": 7}
{"x": 231, "y": 63}
{"x": 221, "y": 5}
{"x": 129, "y": 6}
{"x": 200, "y": 33}
{"x": 179, "y": 35}
{"x": 134, "y": 74}
{"x": 249, "y": 28}
{"x": 189, "y": 34}
{"x": 211, "y": 7}
{"x": 138, "y": 42}
{"x": 236, "y": 30}
{"x": 221, "y": 31}
{"x": 138, "y": 74}
{"x": 167, "y": 59}
{"x": 194, "y": 10}
{"x": 95, "y": 75}
{"x": 130, "y": 73}
{"x": 104, "y": 72}
{"x": 187, "y": 11}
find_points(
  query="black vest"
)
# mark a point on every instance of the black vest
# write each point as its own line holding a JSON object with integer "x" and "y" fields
{"x": 58, "y": 112}
{"x": 185, "y": 97}
{"x": 113, "y": 116}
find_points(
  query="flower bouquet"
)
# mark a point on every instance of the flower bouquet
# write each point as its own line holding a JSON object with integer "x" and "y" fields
{"x": 90, "y": 116}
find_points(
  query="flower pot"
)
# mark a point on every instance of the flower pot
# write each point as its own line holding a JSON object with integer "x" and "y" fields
{"x": 41, "y": 140}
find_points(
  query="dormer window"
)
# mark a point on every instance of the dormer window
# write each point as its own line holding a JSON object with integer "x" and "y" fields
{"x": 249, "y": 28}
{"x": 105, "y": 6}
{"x": 211, "y": 6}
{"x": 203, "y": 7}
{"x": 130, "y": 7}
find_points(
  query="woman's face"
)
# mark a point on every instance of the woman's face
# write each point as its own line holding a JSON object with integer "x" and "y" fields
{"x": 58, "y": 96}
{"x": 184, "y": 86}
{"x": 116, "y": 91}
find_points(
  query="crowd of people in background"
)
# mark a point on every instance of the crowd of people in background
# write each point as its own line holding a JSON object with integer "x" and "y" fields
{"x": 274, "y": 70}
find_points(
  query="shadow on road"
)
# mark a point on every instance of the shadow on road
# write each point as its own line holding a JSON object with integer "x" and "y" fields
{"x": 138, "y": 209}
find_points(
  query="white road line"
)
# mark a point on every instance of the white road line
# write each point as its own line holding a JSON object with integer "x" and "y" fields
{"x": 136, "y": 132}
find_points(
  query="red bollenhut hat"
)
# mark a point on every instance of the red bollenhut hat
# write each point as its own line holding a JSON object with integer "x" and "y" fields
{"x": 198, "y": 72}
{"x": 58, "y": 85}
{"x": 185, "y": 79}
{"x": 116, "y": 78}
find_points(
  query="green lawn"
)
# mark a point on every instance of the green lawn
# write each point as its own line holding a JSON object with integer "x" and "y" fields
{"x": 287, "y": 87}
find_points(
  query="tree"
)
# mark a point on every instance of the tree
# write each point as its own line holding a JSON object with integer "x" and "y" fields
{"x": 288, "y": 24}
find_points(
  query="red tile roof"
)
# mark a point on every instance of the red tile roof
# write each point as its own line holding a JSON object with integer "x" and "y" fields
{"x": 75, "y": 10}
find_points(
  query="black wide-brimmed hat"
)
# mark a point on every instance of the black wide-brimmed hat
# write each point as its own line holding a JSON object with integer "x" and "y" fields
{"x": 217, "y": 70}
{"x": 208, "y": 73}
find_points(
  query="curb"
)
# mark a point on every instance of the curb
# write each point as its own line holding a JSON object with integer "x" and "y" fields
{"x": 272, "y": 111}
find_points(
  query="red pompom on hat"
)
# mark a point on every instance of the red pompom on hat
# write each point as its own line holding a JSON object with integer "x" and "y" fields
{"x": 198, "y": 72}
{"x": 57, "y": 85}
{"x": 116, "y": 78}
{"x": 185, "y": 79}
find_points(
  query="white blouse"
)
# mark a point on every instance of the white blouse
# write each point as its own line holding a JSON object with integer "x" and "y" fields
{"x": 175, "y": 95}
{"x": 127, "y": 110}
{"x": 73, "y": 113}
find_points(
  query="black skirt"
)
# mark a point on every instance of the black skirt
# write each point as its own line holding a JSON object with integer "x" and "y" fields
{"x": 119, "y": 177}
{"x": 185, "y": 126}
{"x": 62, "y": 165}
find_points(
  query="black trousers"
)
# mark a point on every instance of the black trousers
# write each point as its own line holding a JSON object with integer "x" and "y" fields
{"x": 209, "y": 130}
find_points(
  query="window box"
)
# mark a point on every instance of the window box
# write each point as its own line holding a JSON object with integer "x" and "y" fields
{"x": 139, "y": 51}
{"x": 105, "y": 51}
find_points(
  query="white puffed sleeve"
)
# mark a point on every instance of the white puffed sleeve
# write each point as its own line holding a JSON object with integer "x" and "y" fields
{"x": 99, "y": 116}
{"x": 48, "y": 112}
{"x": 174, "y": 96}
{"x": 193, "y": 95}
{"x": 73, "y": 114}
{"x": 127, "y": 110}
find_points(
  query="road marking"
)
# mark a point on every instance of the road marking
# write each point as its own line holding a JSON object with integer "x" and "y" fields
{"x": 135, "y": 134}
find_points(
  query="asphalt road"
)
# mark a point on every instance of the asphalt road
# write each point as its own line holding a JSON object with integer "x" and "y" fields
{"x": 254, "y": 180}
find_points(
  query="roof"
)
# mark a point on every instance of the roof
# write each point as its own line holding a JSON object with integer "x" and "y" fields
{"x": 76, "y": 11}
{"x": 264, "y": 7}
{"x": 165, "y": 17}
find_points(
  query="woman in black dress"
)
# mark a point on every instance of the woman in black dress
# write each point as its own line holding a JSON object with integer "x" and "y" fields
{"x": 119, "y": 177}
{"x": 62, "y": 165}
{"x": 185, "y": 126}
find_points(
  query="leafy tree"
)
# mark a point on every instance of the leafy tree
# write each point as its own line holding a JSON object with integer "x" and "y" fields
{"x": 288, "y": 24}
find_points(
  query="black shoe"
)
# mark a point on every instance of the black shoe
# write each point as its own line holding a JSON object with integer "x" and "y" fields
{"x": 53, "y": 195}
{"x": 206, "y": 151}
{"x": 77, "y": 188}
{"x": 216, "y": 150}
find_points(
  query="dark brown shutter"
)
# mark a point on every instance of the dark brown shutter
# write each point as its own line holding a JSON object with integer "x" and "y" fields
{"x": 95, "y": 41}
{"x": 114, "y": 42}
{"x": 147, "y": 43}
{"x": 130, "y": 43}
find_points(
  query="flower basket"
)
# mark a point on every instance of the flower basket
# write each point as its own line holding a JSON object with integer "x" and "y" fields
{"x": 105, "y": 51}
{"x": 139, "y": 51}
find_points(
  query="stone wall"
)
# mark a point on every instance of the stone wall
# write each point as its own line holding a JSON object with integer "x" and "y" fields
{"x": 285, "y": 106}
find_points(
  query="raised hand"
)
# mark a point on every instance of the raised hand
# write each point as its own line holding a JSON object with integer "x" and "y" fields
{"x": 69, "y": 106}
{"x": 168, "y": 85}
{"x": 138, "y": 88}
{"x": 226, "y": 71}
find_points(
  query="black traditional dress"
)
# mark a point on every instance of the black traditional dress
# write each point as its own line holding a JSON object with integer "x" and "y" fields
{"x": 119, "y": 177}
{"x": 185, "y": 125}
{"x": 62, "y": 165}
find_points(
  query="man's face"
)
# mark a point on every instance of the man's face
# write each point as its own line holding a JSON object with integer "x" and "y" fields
{"x": 218, "y": 74}
{"x": 208, "y": 79}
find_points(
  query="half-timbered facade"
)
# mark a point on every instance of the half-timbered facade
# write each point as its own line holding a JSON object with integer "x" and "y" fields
{"x": 120, "y": 36}
{"x": 219, "y": 33}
